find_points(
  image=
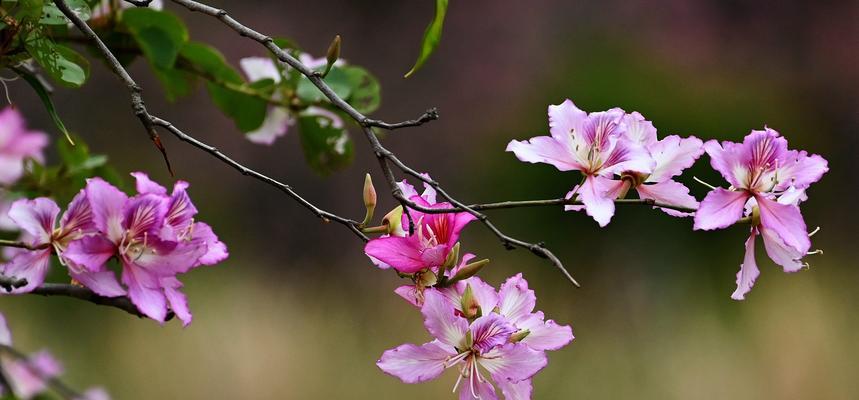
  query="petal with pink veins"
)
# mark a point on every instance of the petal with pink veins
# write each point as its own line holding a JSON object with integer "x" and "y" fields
{"x": 545, "y": 335}
{"x": 78, "y": 216}
{"x": 786, "y": 221}
{"x": 748, "y": 270}
{"x": 91, "y": 252}
{"x": 801, "y": 170}
{"x": 727, "y": 159}
{"x": 440, "y": 320}
{"x": 672, "y": 155}
{"x": 412, "y": 363}
{"x": 107, "y": 204}
{"x": 786, "y": 256}
{"x": 513, "y": 362}
{"x": 517, "y": 301}
{"x": 409, "y": 293}
{"x": 36, "y": 217}
{"x": 516, "y": 391}
{"x": 103, "y": 283}
{"x": 145, "y": 185}
{"x": 639, "y": 130}
{"x": 176, "y": 299}
{"x": 598, "y": 195}
{"x": 144, "y": 292}
{"x": 216, "y": 250}
{"x": 544, "y": 149}
{"x": 563, "y": 119}
{"x": 720, "y": 208}
{"x": 490, "y": 331}
{"x": 669, "y": 192}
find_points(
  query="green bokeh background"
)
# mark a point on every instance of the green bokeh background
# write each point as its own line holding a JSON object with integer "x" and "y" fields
{"x": 298, "y": 312}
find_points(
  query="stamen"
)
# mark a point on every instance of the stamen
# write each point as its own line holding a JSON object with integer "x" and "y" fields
{"x": 813, "y": 252}
{"x": 704, "y": 183}
{"x": 814, "y": 231}
{"x": 459, "y": 379}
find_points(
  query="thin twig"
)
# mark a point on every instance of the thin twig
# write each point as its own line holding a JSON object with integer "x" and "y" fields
{"x": 22, "y": 245}
{"x": 8, "y": 283}
{"x": 81, "y": 293}
{"x": 150, "y": 122}
{"x": 429, "y": 115}
{"x": 383, "y": 155}
{"x": 58, "y": 386}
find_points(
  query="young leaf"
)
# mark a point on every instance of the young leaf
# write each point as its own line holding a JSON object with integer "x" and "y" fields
{"x": 51, "y": 15}
{"x": 327, "y": 148}
{"x": 366, "y": 92}
{"x": 159, "y": 34}
{"x": 431, "y": 36}
{"x": 40, "y": 89}
{"x": 339, "y": 81}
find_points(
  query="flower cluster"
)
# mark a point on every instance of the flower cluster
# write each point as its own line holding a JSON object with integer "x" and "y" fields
{"x": 152, "y": 234}
{"x": 616, "y": 151}
{"x": 493, "y": 339}
{"x": 29, "y": 376}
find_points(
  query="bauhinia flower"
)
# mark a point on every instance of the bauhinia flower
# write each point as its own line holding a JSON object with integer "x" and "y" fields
{"x": 28, "y": 378}
{"x": 480, "y": 349}
{"x": 153, "y": 237}
{"x": 434, "y": 237}
{"x": 594, "y": 144}
{"x": 768, "y": 180}
{"x": 37, "y": 218}
{"x": 280, "y": 118}
{"x": 17, "y": 144}
{"x": 671, "y": 156}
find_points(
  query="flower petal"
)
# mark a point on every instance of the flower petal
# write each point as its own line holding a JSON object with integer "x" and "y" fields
{"x": 167, "y": 258}
{"x": 77, "y": 219}
{"x": 177, "y": 300}
{"x": 477, "y": 389}
{"x": 29, "y": 265}
{"x": 672, "y": 155}
{"x": 275, "y": 125}
{"x": 669, "y": 192}
{"x": 91, "y": 252}
{"x": 720, "y": 208}
{"x": 216, "y": 250}
{"x": 801, "y": 170}
{"x": 400, "y": 253}
{"x": 259, "y": 68}
{"x": 748, "y": 270}
{"x": 409, "y": 293}
{"x": 786, "y": 221}
{"x": 516, "y": 391}
{"x": 598, "y": 195}
{"x": 103, "y": 283}
{"x": 726, "y": 158}
{"x": 563, "y": 119}
{"x": 544, "y": 149}
{"x": 545, "y": 335}
{"x": 517, "y": 301}
{"x": 513, "y": 362}
{"x": 145, "y": 185}
{"x": 786, "y": 256}
{"x": 36, "y": 217}
{"x": 440, "y": 320}
{"x": 144, "y": 292}
{"x": 413, "y": 364}
{"x": 107, "y": 203}
{"x": 490, "y": 331}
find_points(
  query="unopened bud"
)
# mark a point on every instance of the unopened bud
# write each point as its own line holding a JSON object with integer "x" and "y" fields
{"x": 333, "y": 54}
{"x": 452, "y": 258}
{"x": 427, "y": 279}
{"x": 518, "y": 336}
{"x": 369, "y": 199}
{"x": 468, "y": 271}
{"x": 470, "y": 306}
{"x": 394, "y": 220}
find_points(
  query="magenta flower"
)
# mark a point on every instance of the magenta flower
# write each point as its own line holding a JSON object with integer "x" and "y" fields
{"x": 429, "y": 246}
{"x": 17, "y": 144}
{"x": 477, "y": 347}
{"x": 768, "y": 181}
{"x": 414, "y": 293}
{"x": 38, "y": 220}
{"x": 138, "y": 233}
{"x": 594, "y": 144}
{"x": 671, "y": 156}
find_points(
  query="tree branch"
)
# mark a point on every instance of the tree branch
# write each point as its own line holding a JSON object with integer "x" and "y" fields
{"x": 81, "y": 293}
{"x": 150, "y": 122}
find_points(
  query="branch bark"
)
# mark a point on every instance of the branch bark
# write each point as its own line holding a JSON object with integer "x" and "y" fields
{"x": 81, "y": 293}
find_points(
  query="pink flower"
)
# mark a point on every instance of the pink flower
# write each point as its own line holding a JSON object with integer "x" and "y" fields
{"x": 476, "y": 347}
{"x": 427, "y": 249}
{"x": 153, "y": 237}
{"x": 38, "y": 220}
{"x": 767, "y": 181}
{"x": 17, "y": 144}
{"x": 671, "y": 156}
{"x": 594, "y": 144}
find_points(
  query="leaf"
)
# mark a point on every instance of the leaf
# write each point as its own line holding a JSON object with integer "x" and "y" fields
{"x": 40, "y": 89}
{"x": 339, "y": 81}
{"x": 176, "y": 83}
{"x": 366, "y": 91}
{"x": 160, "y": 35}
{"x": 61, "y": 63}
{"x": 51, "y": 15}
{"x": 326, "y": 147}
{"x": 432, "y": 36}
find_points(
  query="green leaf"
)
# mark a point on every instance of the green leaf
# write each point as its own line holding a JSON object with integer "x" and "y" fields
{"x": 326, "y": 147}
{"x": 366, "y": 91}
{"x": 40, "y": 89}
{"x": 339, "y": 81}
{"x": 176, "y": 83}
{"x": 431, "y": 36}
{"x": 51, "y": 15}
{"x": 160, "y": 35}
{"x": 63, "y": 64}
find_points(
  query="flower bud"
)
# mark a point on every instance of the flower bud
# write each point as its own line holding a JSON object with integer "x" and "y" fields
{"x": 369, "y": 199}
{"x": 333, "y": 54}
{"x": 452, "y": 258}
{"x": 468, "y": 271}
{"x": 470, "y": 306}
{"x": 426, "y": 279}
{"x": 394, "y": 220}
{"x": 518, "y": 336}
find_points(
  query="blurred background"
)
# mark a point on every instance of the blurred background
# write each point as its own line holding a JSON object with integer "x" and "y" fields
{"x": 298, "y": 312}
